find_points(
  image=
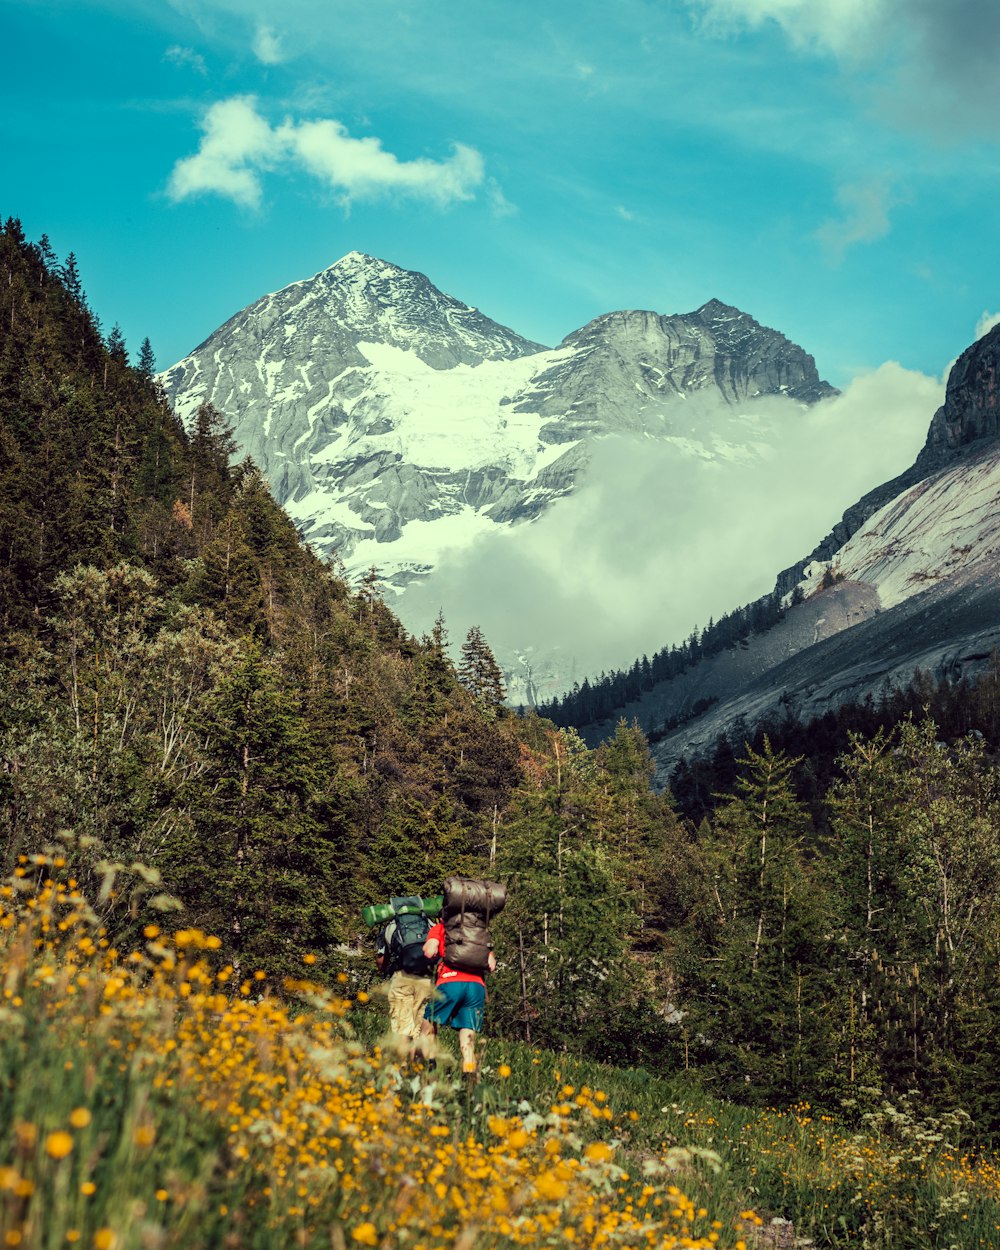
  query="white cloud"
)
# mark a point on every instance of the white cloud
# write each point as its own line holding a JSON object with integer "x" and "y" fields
{"x": 267, "y": 46}
{"x": 239, "y": 144}
{"x": 500, "y": 205}
{"x": 986, "y": 323}
{"x": 236, "y": 145}
{"x": 179, "y": 56}
{"x": 864, "y": 217}
{"x": 657, "y": 540}
{"x": 837, "y": 25}
{"x": 363, "y": 169}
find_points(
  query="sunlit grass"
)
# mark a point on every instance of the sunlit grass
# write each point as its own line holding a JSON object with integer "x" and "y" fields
{"x": 151, "y": 1097}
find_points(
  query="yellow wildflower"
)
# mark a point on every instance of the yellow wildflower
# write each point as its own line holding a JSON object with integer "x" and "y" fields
{"x": 59, "y": 1144}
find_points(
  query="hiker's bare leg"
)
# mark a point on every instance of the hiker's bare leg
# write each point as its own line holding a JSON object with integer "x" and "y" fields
{"x": 467, "y": 1045}
{"x": 427, "y": 1043}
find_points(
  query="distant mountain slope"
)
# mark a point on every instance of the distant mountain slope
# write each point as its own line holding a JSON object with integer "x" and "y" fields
{"x": 950, "y": 630}
{"x": 718, "y": 678}
{"x": 915, "y": 573}
{"x": 967, "y": 416}
{"x": 393, "y": 421}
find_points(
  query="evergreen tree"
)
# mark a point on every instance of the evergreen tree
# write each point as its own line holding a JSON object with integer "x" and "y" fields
{"x": 565, "y": 977}
{"x": 479, "y": 672}
{"x": 255, "y": 865}
{"x": 754, "y": 957}
{"x": 146, "y": 364}
{"x": 116, "y": 345}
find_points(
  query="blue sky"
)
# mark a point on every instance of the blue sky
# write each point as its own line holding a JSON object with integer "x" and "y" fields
{"x": 829, "y": 166}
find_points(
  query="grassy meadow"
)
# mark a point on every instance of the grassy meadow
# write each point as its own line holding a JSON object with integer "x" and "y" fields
{"x": 156, "y": 1097}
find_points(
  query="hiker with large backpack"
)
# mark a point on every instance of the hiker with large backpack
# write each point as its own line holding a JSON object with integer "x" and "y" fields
{"x": 462, "y": 944}
{"x": 399, "y": 954}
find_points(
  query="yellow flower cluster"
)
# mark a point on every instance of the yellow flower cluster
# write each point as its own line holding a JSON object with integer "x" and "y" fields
{"x": 307, "y": 1137}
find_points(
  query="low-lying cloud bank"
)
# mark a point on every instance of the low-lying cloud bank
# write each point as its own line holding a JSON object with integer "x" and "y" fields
{"x": 661, "y": 536}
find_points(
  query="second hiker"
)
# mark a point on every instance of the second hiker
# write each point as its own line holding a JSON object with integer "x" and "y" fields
{"x": 399, "y": 954}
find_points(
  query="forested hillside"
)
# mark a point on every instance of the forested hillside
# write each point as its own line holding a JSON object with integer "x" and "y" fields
{"x": 187, "y": 692}
{"x": 184, "y": 682}
{"x": 591, "y": 702}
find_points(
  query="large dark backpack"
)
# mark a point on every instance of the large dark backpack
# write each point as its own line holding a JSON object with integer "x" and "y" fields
{"x": 406, "y": 944}
{"x": 468, "y": 908}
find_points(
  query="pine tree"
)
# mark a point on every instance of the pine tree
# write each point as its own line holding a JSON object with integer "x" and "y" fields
{"x": 146, "y": 364}
{"x": 256, "y": 867}
{"x": 479, "y": 672}
{"x": 116, "y": 345}
{"x": 754, "y": 955}
{"x": 566, "y": 979}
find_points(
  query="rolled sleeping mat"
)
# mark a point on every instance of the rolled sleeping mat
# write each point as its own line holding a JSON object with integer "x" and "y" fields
{"x": 466, "y": 894}
{"x": 377, "y": 913}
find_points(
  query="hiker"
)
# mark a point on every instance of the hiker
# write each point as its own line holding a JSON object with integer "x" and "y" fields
{"x": 399, "y": 955}
{"x": 461, "y": 943}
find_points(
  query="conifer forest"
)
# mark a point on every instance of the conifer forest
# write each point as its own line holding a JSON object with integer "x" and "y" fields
{"x": 205, "y": 730}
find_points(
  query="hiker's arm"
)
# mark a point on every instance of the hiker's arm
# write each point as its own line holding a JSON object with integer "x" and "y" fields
{"x": 431, "y": 947}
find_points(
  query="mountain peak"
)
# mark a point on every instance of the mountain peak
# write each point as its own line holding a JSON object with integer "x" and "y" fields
{"x": 352, "y": 260}
{"x": 361, "y": 268}
{"x": 715, "y": 308}
{"x": 362, "y": 262}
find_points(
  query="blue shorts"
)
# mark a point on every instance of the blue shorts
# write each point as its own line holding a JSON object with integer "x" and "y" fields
{"x": 458, "y": 1003}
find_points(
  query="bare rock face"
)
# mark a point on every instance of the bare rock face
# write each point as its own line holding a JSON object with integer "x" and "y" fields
{"x": 971, "y": 408}
{"x": 371, "y": 400}
{"x": 967, "y": 421}
{"x": 629, "y": 371}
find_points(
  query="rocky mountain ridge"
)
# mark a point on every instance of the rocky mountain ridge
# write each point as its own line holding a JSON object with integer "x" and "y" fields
{"x": 968, "y": 416}
{"x": 394, "y": 421}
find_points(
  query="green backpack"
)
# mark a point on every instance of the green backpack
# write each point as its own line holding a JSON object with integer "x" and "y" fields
{"x": 406, "y": 942}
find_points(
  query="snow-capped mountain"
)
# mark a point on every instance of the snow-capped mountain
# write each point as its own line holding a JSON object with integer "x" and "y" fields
{"x": 394, "y": 422}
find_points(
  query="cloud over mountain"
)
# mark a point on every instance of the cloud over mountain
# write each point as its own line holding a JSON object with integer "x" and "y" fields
{"x": 657, "y": 540}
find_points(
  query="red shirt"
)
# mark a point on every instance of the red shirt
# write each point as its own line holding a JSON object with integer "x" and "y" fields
{"x": 446, "y": 974}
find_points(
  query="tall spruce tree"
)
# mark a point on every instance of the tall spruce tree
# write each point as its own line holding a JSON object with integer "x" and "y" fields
{"x": 565, "y": 978}
{"x": 479, "y": 672}
{"x": 255, "y": 865}
{"x": 755, "y": 956}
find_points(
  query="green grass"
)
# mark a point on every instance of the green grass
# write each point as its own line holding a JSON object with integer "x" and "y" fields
{"x": 891, "y": 1182}
{"x": 168, "y": 1145}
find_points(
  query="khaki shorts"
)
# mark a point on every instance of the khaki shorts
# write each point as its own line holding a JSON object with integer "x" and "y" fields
{"x": 407, "y": 996}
